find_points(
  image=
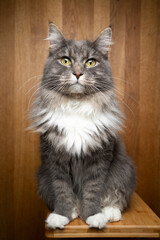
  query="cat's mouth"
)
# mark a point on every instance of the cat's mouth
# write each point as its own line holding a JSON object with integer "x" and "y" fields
{"x": 77, "y": 83}
{"x": 76, "y": 88}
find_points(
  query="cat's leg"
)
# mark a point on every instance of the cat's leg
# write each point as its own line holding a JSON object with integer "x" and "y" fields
{"x": 91, "y": 207}
{"x": 91, "y": 195}
{"x": 120, "y": 184}
{"x": 55, "y": 190}
{"x": 93, "y": 191}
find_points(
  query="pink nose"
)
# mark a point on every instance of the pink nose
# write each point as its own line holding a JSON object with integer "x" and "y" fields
{"x": 78, "y": 74}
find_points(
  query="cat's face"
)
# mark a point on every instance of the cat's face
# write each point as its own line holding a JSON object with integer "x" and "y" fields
{"x": 77, "y": 68}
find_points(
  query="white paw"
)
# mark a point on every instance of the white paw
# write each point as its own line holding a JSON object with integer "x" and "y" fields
{"x": 97, "y": 221}
{"x": 56, "y": 221}
{"x": 74, "y": 213}
{"x": 112, "y": 214}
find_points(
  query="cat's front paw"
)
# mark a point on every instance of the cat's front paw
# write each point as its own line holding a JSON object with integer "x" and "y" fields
{"x": 97, "y": 221}
{"x": 56, "y": 221}
{"x": 112, "y": 214}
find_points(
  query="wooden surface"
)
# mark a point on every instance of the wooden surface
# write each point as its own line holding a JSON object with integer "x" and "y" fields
{"x": 138, "y": 221}
{"x": 135, "y": 60}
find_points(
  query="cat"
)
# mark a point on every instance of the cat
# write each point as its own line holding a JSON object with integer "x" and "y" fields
{"x": 85, "y": 170}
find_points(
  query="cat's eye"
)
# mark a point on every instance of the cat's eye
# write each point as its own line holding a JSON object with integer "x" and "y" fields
{"x": 90, "y": 62}
{"x": 65, "y": 61}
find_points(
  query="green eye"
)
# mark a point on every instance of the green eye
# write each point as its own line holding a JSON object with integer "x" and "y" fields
{"x": 91, "y": 63}
{"x": 65, "y": 61}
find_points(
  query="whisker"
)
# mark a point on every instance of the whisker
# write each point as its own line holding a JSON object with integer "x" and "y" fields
{"x": 122, "y": 92}
{"x": 32, "y": 96}
{"x": 38, "y": 76}
{"x": 125, "y": 105}
{"x": 100, "y": 92}
{"x": 32, "y": 87}
{"x": 118, "y": 98}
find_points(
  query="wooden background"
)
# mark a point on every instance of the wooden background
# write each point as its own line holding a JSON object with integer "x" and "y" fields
{"x": 135, "y": 59}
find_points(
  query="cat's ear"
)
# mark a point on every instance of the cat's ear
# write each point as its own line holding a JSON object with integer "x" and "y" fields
{"x": 104, "y": 40}
{"x": 55, "y": 36}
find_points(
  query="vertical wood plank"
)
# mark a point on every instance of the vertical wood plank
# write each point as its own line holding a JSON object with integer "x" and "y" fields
{"x": 101, "y": 15}
{"x": 6, "y": 119}
{"x": 53, "y": 11}
{"x": 78, "y": 19}
{"x": 132, "y": 76}
{"x": 27, "y": 204}
{"x": 157, "y": 111}
{"x": 117, "y": 55}
{"x": 22, "y": 164}
{"x": 148, "y": 153}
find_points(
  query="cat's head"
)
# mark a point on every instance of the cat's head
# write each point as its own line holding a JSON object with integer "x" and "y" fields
{"x": 77, "y": 68}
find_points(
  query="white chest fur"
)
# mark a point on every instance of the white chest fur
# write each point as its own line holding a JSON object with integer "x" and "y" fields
{"x": 81, "y": 126}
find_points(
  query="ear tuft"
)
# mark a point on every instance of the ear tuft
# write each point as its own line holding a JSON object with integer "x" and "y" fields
{"x": 104, "y": 40}
{"x": 55, "y": 36}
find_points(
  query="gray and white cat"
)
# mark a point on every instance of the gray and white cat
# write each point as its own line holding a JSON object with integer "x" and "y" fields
{"x": 85, "y": 169}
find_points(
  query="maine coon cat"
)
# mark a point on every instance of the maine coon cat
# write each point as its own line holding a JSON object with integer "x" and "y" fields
{"x": 85, "y": 170}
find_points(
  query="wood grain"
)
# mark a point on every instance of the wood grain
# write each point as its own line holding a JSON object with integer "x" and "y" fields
{"x": 117, "y": 54}
{"x": 132, "y": 76}
{"x": 138, "y": 221}
{"x": 101, "y": 16}
{"x": 78, "y": 19}
{"x": 148, "y": 168}
{"x": 6, "y": 119}
{"x": 135, "y": 60}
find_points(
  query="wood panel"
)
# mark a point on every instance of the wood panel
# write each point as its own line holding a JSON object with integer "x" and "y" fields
{"x": 78, "y": 19}
{"x": 101, "y": 16}
{"x": 149, "y": 167}
{"x": 25, "y": 147}
{"x": 135, "y": 60}
{"x": 132, "y": 75}
{"x": 6, "y": 119}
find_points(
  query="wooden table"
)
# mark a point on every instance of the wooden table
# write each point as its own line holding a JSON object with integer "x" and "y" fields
{"x": 138, "y": 221}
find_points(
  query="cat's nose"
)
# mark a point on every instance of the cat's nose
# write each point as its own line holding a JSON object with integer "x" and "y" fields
{"x": 78, "y": 74}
